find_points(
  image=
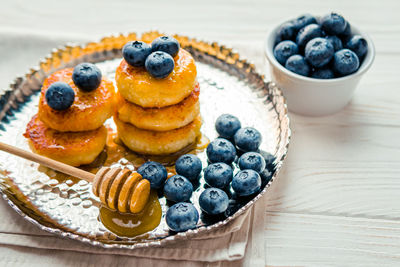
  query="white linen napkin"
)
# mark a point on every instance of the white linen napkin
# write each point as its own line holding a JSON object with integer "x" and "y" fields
{"x": 225, "y": 244}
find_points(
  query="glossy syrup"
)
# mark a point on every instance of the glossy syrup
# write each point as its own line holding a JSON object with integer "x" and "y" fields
{"x": 130, "y": 225}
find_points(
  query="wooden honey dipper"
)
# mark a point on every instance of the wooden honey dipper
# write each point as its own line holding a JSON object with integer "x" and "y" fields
{"x": 119, "y": 189}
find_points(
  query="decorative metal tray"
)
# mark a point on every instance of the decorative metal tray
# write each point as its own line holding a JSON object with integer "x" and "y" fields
{"x": 66, "y": 206}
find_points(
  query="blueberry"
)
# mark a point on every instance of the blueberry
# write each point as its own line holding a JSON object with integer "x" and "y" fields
{"x": 213, "y": 201}
{"x": 248, "y": 139}
{"x": 266, "y": 176}
{"x": 333, "y": 24}
{"x": 227, "y": 125}
{"x": 358, "y": 45}
{"x": 159, "y": 64}
{"x": 304, "y": 20}
{"x": 181, "y": 217}
{"x": 218, "y": 174}
{"x": 136, "y": 52}
{"x": 246, "y": 182}
{"x": 286, "y": 31}
{"x": 284, "y": 50}
{"x": 154, "y": 172}
{"x": 178, "y": 189}
{"x": 298, "y": 64}
{"x": 335, "y": 41}
{"x": 346, "y": 34}
{"x": 324, "y": 73}
{"x": 86, "y": 76}
{"x": 166, "y": 44}
{"x": 189, "y": 165}
{"x": 60, "y": 96}
{"x": 307, "y": 33}
{"x": 221, "y": 150}
{"x": 345, "y": 62}
{"x": 253, "y": 161}
{"x": 269, "y": 160}
{"x": 319, "y": 51}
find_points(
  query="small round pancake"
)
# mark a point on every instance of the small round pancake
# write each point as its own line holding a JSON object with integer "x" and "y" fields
{"x": 160, "y": 119}
{"x": 136, "y": 85}
{"x": 157, "y": 143}
{"x": 73, "y": 148}
{"x": 89, "y": 110}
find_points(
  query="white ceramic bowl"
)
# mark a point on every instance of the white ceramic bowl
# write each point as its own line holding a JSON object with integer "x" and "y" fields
{"x": 315, "y": 97}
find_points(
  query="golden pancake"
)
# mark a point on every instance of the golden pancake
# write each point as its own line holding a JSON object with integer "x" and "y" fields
{"x": 160, "y": 119}
{"x": 157, "y": 143}
{"x": 136, "y": 85}
{"x": 89, "y": 110}
{"x": 73, "y": 148}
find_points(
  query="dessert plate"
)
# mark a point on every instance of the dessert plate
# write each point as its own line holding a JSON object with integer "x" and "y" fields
{"x": 66, "y": 206}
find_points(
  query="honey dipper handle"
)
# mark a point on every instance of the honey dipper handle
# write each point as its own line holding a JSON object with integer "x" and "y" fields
{"x": 56, "y": 165}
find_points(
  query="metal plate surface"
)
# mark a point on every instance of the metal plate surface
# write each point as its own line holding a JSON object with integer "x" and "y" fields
{"x": 66, "y": 206}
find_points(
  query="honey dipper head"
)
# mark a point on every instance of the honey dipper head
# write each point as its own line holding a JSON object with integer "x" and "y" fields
{"x": 122, "y": 190}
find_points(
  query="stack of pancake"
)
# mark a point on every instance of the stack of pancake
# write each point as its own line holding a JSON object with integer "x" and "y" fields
{"x": 75, "y": 136}
{"x": 158, "y": 116}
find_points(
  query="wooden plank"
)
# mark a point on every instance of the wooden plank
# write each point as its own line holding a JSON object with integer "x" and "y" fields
{"x": 294, "y": 239}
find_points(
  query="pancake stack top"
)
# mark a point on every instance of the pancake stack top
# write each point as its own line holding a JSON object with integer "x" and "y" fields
{"x": 157, "y": 115}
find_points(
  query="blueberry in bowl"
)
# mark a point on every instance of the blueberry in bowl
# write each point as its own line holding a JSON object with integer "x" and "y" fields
{"x": 313, "y": 50}
{"x": 323, "y": 73}
{"x": 298, "y": 65}
{"x": 155, "y": 172}
{"x": 319, "y": 52}
{"x": 182, "y": 217}
{"x": 218, "y": 174}
{"x": 178, "y": 189}
{"x": 358, "y": 45}
{"x": 309, "y": 79}
{"x": 221, "y": 150}
{"x": 189, "y": 166}
{"x": 346, "y": 34}
{"x": 213, "y": 201}
{"x": 304, "y": 20}
{"x": 284, "y": 50}
{"x": 287, "y": 31}
{"x": 345, "y": 62}
{"x": 307, "y": 33}
{"x": 335, "y": 41}
{"x": 333, "y": 23}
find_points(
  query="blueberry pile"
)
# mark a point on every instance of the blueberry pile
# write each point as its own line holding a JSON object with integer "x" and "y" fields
{"x": 236, "y": 147}
{"x": 157, "y": 58}
{"x": 321, "y": 49}
{"x": 60, "y": 95}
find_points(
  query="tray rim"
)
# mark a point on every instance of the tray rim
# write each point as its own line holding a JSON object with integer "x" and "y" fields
{"x": 88, "y": 47}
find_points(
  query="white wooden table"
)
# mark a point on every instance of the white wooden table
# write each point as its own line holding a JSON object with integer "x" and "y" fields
{"x": 336, "y": 201}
